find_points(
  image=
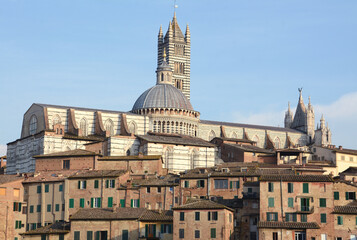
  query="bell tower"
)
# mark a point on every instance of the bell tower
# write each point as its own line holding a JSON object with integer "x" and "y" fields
{"x": 178, "y": 54}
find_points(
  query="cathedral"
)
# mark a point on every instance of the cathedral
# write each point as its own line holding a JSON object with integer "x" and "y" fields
{"x": 162, "y": 122}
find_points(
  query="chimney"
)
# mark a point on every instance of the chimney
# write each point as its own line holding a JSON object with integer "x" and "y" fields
{"x": 340, "y": 148}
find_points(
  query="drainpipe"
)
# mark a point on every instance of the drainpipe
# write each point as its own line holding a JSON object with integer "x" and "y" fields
{"x": 281, "y": 206}
{"x": 165, "y": 198}
{"x": 208, "y": 184}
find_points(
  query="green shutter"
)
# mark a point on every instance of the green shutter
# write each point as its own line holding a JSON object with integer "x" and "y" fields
{"x": 186, "y": 184}
{"x": 85, "y": 184}
{"x": 356, "y": 220}
{"x": 99, "y": 202}
{"x": 339, "y": 220}
{"x": 71, "y": 203}
{"x": 97, "y": 235}
{"x": 290, "y": 202}
{"x": 336, "y": 196}
{"x": 107, "y": 183}
{"x": 57, "y": 207}
{"x": 305, "y": 187}
{"x": 19, "y": 207}
{"x": 323, "y": 217}
{"x": 162, "y": 228}
{"x": 346, "y": 195}
{"x": 138, "y": 203}
{"x": 47, "y": 188}
{"x": 89, "y": 235}
{"x": 81, "y": 203}
{"x": 14, "y": 206}
{"x": 60, "y": 188}
{"x": 213, "y": 233}
{"x": 132, "y": 203}
{"x": 96, "y": 184}
{"x": 170, "y": 228}
{"x": 31, "y": 209}
{"x": 110, "y": 201}
{"x": 38, "y": 189}
{"x": 146, "y": 230}
{"x": 154, "y": 230}
{"x": 79, "y": 184}
{"x": 48, "y": 207}
{"x": 91, "y": 202}
{"x": 113, "y": 183}
{"x": 270, "y": 202}
{"x": 77, "y": 235}
{"x": 238, "y": 184}
{"x": 322, "y": 202}
{"x": 122, "y": 203}
{"x": 230, "y": 184}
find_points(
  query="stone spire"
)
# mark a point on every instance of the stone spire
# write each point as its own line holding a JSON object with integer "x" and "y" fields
{"x": 322, "y": 122}
{"x": 160, "y": 41}
{"x": 299, "y": 122}
{"x": 164, "y": 71}
{"x": 288, "y": 117}
{"x": 187, "y": 34}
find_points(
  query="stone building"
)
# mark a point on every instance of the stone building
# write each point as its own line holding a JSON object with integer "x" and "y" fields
{"x": 165, "y": 109}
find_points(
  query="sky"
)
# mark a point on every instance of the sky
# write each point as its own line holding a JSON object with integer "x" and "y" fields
{"x": 248, "y": 58}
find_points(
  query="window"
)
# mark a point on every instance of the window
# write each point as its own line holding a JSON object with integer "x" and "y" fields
{"x": 96, "y": 183}
{"x": 322, "y": 202}
{"x": 181, "y": 233}
{"x": 125, "y": 234}
{"x": 290, "y": 187}
{"x": 17, "y": 206}
{"x": 135, "y": 203}
{"x": 179, "y": 67}
{"x": 305, "y": 204}
{"x": 323, "y": 217}
{"x": 38, "y": 208}
{"x": 81, "y": 203}
{"x": 197, "y": 216}
{"x": 33, "y": 125}
{"x": 213, "y": 233}
{"x": 47, "y": 188}
{"x": 77, "y": 235}
{"x": 221, "y": 184}
{"x": 159, "y": 189}
{"x": 350, "y": 196}
{"x": 61, "y": 237}
{"x": 110, "y": 183}
{"x": 197, "y": 233}
{"x": 38, "y": 189}
{"x": 110, "y": 202}
{"x": 122, "y": 203}
{"x": 291, "y": 202}
{"x": 66, "y": 164}
{"x": 82, "y": 184}
{"x": 148, "y": 189}
{"x": 89, "y": 235}
{"x": 187, "y": 184}
{"x": 49, "y": 207}
{"x": 182, "y": 216}
{"x": 213, "y": 216}
{"x": 270, "y": 187}
{"x": 60, "y": 188}
{"x": 96, "y": 202}
{"x": 31, "y": 209}
{"x": 290, "y": 217}
{"x": 336, "y": 195}
{"x": 275, "y": 236}
{"x": 57, "y": 207}
{"x": 200, "y": 183}
{"x": 305, "y": 187}
{"x": 272, "y": 216}
{"x": 339, "y": 220}
{"x": 71, "y": 203}
{"x": 18, "y": 224}
{"x": 270, "y": 202}
{"x": 166, "y": 228}
{"x": 234, "y": 185}
{"x": 303, "y": 217}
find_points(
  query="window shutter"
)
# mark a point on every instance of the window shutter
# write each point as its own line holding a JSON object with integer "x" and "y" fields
{"x": 71, "y": 203}
{"x": 162, "y": 228}
{"x": 154, "y": 230}
{"x": 107, "y": 183}
{"x": 85, "y": 184}
{"x": 170, "y": 226}
{"x": 60, "y": 188}
{"x": 97, "y": 235}
{"x": 122, "y": 203}
{"x": 336, "y": 195}
{"x": 238, "y": 184}
{"x": 110, "y": 201}
{"x": 209, "y": 216}
{"x": 114, "y": 183}
{"x": 146, "y": 229}
{"x": 96, "y": 183}
{"x": 81, "y": 202}
{"x": 230, "y": 184}
{"x": 14, "y": 206}
{"x": 99, "y": 202}
{"x": 79, "y": 184}
{"x": 346, "y": 195}
{"x": 132, "y": 203}
{"x": 138, "y": 203}
{"x": 91, "y": 202}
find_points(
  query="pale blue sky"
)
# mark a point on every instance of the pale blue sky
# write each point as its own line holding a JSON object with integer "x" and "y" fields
{"x": 248, "y": 57}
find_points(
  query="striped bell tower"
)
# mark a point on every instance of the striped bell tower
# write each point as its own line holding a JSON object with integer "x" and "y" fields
{"x": 178, "y": 50}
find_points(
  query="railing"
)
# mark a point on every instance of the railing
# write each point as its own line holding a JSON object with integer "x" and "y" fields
{"x": 304, "y": 209}
{"x": 250, "y": 195}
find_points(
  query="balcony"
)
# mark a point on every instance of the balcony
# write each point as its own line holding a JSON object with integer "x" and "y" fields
{"x": 304, "y": 209}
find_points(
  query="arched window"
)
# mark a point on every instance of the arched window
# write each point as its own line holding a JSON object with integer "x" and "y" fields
{"x": 132, "y": 127}
{"x": 162, "y": 77}
{"x": 154, "y": 127}
{"x": 56, "y": 119}
{"x": 277, "y": 143}
{"x": 234, "y": 135}
{"x": 211, "y": 135}
{"x": 109, "y": 126}
{"x": 168, "y": 155}
{"x": 33, "y": 125}
{"x": 84, "y": 127}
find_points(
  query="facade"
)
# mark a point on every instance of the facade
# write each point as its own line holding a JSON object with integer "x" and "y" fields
{"x": 203, "y": 219}
{"x": 12, "y": 207}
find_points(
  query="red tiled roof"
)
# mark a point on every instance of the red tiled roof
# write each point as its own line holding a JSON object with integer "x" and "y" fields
{"x": 289, "y": 225}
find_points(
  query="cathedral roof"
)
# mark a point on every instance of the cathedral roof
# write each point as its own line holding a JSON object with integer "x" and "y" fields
{"x": 162, "y": 96}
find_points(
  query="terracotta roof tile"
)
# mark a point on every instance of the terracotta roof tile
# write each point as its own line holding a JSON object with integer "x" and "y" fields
{"x": 9, "y": 178}
{"x": 108, "y": 213}
{"x": 201, "y": 204}
{"x": 345, "y": 209}
{"x": 297, "y": 178}
{"x": 289, "y": 225}
{"x": 98, "y": 173}
{"x": 55, "y": 228}
{"x": 251, "y": 148}
{"x": 50, "y": 176}
{"x": 76, "y": 152}
{"x": 156, "y": 216}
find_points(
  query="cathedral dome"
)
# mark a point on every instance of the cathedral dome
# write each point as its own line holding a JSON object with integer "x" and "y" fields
{"x": 162, "y": 96}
